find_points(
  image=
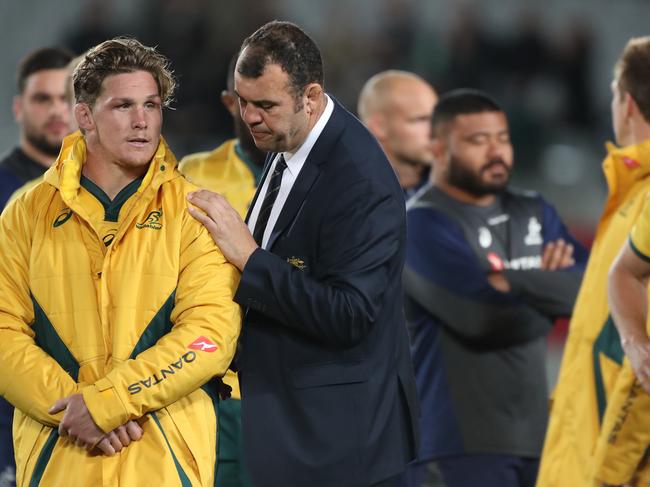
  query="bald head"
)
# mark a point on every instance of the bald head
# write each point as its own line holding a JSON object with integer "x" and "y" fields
{"x": 396, "y": 106}
{"x": 384, "y": 90}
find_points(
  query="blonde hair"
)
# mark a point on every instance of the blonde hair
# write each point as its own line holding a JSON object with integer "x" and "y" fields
{"x": 632, "y": 73}
{"x": 116, "y": 56}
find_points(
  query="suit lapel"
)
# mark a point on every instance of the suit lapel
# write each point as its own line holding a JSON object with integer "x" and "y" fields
{"x": 310, "y": 172}
{"x": 306, "y": 179}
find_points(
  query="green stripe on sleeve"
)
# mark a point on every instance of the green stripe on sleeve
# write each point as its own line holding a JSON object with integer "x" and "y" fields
{"x": 185, "y": 481}
{"x": 640, "y": 254}
{"x": 159, "y": 326}
{"x": 49, "y": 340}
{"x": 609, "y": 344}
{"x": 43, "y": 459}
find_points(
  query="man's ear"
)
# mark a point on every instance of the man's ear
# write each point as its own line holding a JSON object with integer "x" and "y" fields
{"x": 631, "y": 107}
{"x": 229, "y": 100}
{"x": 312, "y": 93}
{"x": 84, "y": 116}
{"x": 439, "y": 150}
{"x": 17, "y": 108}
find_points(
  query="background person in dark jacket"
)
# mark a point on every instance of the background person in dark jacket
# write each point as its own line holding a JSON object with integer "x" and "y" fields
{"x": 487, "y": 271}
{"x": 42, "y": 110}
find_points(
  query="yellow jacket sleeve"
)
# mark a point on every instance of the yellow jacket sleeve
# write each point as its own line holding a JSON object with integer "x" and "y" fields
{"x": 184, "y": 359}
{"x": 640, "y": 235}
{"x": 625, "y": 432}
{"x": 31, "y": 380}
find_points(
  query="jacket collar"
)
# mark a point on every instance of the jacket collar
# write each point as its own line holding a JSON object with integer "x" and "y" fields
{"x": 65, "y": 173}
{"x": 623, "y": 166}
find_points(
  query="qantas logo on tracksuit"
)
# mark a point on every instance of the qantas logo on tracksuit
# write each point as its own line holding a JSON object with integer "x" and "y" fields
{"x": 203, "y": 344}
{"x": 157, "y": 378}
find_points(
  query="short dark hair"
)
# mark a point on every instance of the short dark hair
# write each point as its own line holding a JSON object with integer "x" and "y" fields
{"x": 117, "y": 56}
{"x": 632, "y": 71}
{"x": 230, "y": 77}
{"x": 463, "y": 101}
{"x": 284, "y": 44}
{"x": 41, "y": 60}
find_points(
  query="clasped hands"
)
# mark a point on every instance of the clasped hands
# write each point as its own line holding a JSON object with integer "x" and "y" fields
{"x": 79, "y": 427}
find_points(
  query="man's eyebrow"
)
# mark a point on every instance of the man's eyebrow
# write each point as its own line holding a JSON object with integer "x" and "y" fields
{"x": 256, "y": 102}
{"x": 43, "y": 94}
{"x": 478, "y": 132}
{"x": 123, "y": 99}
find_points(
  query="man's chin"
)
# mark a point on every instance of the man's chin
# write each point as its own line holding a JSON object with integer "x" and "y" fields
{"x": 136, "y": 163}
{"x": 268, "y": 146}
{"x": 495, "y": 187}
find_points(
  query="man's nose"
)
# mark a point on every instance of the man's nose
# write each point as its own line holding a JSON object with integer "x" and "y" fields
{"x": 139, "y": 118}
{"x": 495, "y": 149}
{"x": 251, "y": 115}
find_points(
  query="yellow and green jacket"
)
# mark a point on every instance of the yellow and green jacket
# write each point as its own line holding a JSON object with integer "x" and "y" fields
{"x": 127, "y": 302}
{"x": 599, "y": 427}
{"x": 223, "y": 171}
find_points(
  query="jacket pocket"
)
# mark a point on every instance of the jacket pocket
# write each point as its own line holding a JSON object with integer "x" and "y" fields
{"x": 194, "y": 419}
{"x": 29, "y": 441}
{"x": 329, "y": 374}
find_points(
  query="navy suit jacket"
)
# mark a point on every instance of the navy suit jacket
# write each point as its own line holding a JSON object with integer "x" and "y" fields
{"x": 328, "y": 392}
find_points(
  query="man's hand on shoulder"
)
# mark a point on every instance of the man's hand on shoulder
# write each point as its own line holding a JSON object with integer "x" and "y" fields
{"x": 557, "y": 255}
{"x": 228, "y": 230}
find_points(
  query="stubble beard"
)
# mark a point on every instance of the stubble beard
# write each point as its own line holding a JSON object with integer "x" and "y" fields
{"x": 461, "y": 177}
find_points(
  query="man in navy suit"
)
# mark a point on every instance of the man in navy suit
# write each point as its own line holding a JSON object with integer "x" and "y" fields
{"x": 328, "y": 395}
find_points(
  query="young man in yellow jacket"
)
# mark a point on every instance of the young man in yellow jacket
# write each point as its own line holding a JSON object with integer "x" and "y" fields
{"x": 598, "y": 434}
{"x": 233, "y": 169}
{"x": 115, "y": 305}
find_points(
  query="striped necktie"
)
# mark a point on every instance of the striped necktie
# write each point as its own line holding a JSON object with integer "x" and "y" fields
{"x": 269, "y": 199}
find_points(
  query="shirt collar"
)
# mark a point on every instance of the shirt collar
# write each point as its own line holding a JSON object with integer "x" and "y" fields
{"x": 296, "y": 159}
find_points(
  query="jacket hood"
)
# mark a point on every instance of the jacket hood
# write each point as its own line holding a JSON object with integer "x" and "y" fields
{"x": 625, "y": 165}
{"x": 65, "y": 173}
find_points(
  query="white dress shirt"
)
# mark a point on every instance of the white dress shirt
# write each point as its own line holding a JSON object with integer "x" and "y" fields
{"x": 294, "y": 161}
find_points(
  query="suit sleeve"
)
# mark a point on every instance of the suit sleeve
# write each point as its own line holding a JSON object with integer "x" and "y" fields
{"x": 625, "y": 432}
{"x": 360, "y": 237}
{"x": 31, "y": 380}
{"x": 444, "y": 276}
{"x": 553, "y": 293}
{"x": 203, "y": 308}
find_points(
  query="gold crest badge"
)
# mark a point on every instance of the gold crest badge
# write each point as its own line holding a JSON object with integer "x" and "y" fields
{"x": 296, "y": 262}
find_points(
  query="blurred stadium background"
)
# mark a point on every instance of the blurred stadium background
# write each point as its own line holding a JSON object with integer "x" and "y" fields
{"x": 548, "y": 63}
